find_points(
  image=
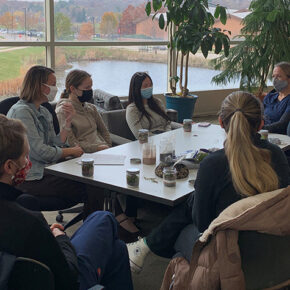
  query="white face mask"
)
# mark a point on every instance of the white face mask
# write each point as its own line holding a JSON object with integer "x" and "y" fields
{"x": 52, "y": 92}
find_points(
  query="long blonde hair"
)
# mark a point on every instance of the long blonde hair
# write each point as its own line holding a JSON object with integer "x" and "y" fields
{"x": 34, "y": 78}
{"x": 250, "y": 166}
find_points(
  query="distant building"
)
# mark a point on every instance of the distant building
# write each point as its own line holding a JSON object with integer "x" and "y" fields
{"x": 234, "y": 21}
{"x": 151, "y": 28}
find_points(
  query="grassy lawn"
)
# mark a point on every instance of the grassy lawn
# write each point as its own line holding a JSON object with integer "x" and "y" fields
{"x": 12, "y": 61}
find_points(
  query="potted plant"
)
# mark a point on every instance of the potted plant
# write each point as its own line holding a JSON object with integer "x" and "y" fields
{"x": 266, "y": 42}
{"x": 190, "y": 27}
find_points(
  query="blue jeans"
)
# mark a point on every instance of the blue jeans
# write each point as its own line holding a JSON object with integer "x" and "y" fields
{"x": 102, "y": 257}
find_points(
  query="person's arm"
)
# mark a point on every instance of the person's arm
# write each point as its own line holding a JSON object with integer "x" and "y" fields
{"x": 57, "y": 253}
{"x": 38, "y": 149}
{"x": 280, "y": 165}
{"x": 101, "y": 127}
{"x": 65, "y": 112}
{"x": 132, "y": 118}
{"x": 279, "y": 126}
{"x": 161, "y": 105}
{"x": 203, "y": 210}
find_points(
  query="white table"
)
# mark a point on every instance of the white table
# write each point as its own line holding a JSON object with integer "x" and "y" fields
{"x": 285, "y": 140}
{"x": 113, "y": 177}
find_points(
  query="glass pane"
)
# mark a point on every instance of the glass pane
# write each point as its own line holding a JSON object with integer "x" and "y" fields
{"x": 122, "y": 21}
{"x": 22, "y": 21}
{"x": 15, "y": 61}
{"x": 112, "y": 67}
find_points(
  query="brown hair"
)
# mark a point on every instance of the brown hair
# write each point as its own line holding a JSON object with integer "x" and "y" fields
{"x": 250, "y": 166}
{"x": 12, "y": 133}
{"x": 285, "y": 67}
{"x": 34, "y": 78}
{"x": 75, "y": 79}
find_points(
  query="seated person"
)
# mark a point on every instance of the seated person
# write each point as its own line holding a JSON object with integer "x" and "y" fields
{"x": 94, "y": 255}
{"x": 53, "y": 192}
{"x": 277, "y": 102}
{"x": 144, "y": 111}
{"x": 87, "y": 127}
{"x": 87, "y": 130}
{"x": 246, "y": 166}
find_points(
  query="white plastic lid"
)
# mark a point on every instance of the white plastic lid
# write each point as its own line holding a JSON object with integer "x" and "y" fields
{"x": 133, "y": 170}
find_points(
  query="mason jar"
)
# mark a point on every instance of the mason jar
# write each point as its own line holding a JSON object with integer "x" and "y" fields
{"x": 169, "y": 176}
{"x": 133, "y": 176}
{"x": 88, "y": 167}
{"x": 187, "y": 125}
{"x": 143, "y": 135}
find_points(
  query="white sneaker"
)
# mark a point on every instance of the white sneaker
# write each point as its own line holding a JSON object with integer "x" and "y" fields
{"x": 137, "y": 254}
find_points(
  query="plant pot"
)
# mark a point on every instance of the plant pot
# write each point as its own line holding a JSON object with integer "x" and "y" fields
{"x": 184, "y": 106}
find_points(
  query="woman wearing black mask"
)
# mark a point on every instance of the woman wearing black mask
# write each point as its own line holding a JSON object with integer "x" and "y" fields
{"x": 87, "y": 127}
{"x": 277, "y": 102}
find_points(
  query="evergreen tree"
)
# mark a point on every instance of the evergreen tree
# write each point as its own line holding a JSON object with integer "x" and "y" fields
{"x": 266, "y": 42}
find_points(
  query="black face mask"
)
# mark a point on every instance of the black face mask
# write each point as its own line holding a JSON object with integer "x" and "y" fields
{"x": 86, "y": 96}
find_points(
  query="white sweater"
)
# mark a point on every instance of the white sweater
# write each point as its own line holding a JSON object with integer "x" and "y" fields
{"x": 157, "y": 122}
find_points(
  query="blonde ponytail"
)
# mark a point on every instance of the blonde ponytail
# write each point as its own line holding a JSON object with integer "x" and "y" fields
{"x": 250, "y": 166}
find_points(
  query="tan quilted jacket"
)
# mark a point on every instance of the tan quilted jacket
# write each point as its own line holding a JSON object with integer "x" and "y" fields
{"x": 216, "y": 260}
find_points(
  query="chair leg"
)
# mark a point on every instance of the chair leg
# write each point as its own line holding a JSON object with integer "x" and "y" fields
{"x": 73, "y": 221}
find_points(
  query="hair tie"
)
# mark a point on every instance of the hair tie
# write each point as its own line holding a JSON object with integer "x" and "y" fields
{"x": 238, "y": 110}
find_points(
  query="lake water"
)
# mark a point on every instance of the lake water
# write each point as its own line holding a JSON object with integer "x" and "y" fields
{"x": 114, "y": 76}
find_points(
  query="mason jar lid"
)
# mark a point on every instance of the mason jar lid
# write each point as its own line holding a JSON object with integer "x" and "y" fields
{"x": 143, "y": 131}
{"x": 88, "y": 160}
{"x": 187, "y": 120}
{"x": 133, "y": 170}
{"x": 169, "y": 170}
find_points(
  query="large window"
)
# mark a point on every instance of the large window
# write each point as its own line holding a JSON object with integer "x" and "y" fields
{"x": 110, "y": 39}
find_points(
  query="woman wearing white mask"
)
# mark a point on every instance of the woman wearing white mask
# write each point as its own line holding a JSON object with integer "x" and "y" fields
{"x": 144, "y": 111}
{"x": 277, "y": 102}
{"x": 39, "y": 86}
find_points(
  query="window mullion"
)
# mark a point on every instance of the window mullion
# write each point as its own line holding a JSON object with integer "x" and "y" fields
{"x": 49, "y": 26}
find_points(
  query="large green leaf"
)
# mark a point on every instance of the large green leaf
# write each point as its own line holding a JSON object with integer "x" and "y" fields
{"x": 217, "y": 11}
{"x": 223, "y": 15}
{"x": 204, "y": 49}
{"x": 226, "y": 44}
{"x": 148, "y": 8}
{"x": 161, "y": 21}
{"x": 218, "y": 45}
{"x": 157, "y": 4}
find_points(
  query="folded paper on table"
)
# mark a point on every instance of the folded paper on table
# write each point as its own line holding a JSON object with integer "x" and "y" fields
{"x": 104, "y": 159}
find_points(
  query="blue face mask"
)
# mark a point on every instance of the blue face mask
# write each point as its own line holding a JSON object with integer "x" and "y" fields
{"x": 147, "y": 93}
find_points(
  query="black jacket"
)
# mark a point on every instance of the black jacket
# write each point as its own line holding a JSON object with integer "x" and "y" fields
{"x": 214, "y": 189}
{"x": 26, "y": 233}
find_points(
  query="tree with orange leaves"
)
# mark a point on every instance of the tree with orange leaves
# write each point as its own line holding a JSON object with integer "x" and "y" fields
{"x": 86, "y": 31}
{"x": 6, "y": 20}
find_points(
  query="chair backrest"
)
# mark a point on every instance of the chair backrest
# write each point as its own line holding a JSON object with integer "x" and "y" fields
{"x": 117, "y": 124}
{"x": 30, "y": 274}
{"x": 6, "y": 104}
{"x": 265, "y": 259}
